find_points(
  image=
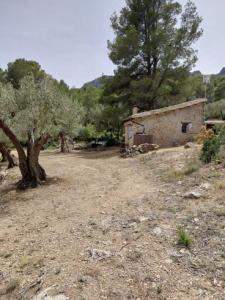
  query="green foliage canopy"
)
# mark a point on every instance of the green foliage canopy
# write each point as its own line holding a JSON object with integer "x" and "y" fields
{"x": 153, "y": 39}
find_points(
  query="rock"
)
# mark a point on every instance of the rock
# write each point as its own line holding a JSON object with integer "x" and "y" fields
{"x": 143, "y": 219}
{"x": 196, "y": 220}
{"x": 57, "y": 271}
{"x": 157, "y": 231}
{"x": 200, "y": 292}
{"x": 193, "y": 195}
{"x": 48, "y": 294}
{"x": 184, "y": 251}
{"x": 175, "y": 254}
{"x": 140, "y": 149}
{"x": 168, "y": 261}
{"x": 205, "y": 186}
{"x": 98, "y": 255}
{"x": 189, "y": 145}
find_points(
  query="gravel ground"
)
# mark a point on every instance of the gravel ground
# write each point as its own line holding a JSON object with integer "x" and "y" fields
{"x": 104, "y": 227}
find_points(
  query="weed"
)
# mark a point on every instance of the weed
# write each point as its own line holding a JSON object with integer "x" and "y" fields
{"x": 184, "y": 238}
{"x": 191, "y": 167}
{"x": 219, "y": 185}
{"x": 12, "y": 285}
{"x": 24, "y": 261}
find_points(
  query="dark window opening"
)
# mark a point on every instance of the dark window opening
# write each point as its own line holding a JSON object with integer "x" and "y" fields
{"x": 184, "y": 128}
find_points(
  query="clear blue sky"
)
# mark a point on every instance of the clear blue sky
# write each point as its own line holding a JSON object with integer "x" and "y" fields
{"x": 69, "y": 37}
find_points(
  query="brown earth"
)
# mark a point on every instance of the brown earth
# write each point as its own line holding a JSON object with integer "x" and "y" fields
{"x": 104, "y": 227}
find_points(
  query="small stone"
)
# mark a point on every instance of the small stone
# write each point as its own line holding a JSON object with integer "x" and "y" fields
{"x": 143, "y": 219}
{"x": 200, "y": 293}
{"x": 205, "y": 186}
{"x": 97, "y": 254}
{"x": 157, "y": 231}
{"x": 184, "y": 251}
{"x": 168, "y": 261}
{"x": 47, "y": 295}
{"x": 189, "y": 145}
{"x": 175, "y": 254}
{"x": 193, "y": 195}
{"x": 57, "y": 271}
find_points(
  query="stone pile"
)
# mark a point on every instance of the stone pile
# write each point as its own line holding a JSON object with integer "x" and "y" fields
{"x": 140, "y": 149}
{"x": 2, "y": 176}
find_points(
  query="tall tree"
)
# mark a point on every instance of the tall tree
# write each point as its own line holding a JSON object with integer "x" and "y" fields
{"x": 153, "y": 40}
{"x": 20, "y": 68}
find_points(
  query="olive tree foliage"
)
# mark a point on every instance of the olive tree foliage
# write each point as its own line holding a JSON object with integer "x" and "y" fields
{"x": 32, "y": 114}
{"x": 153, "y": 40}
{"x": 68, "y": 123}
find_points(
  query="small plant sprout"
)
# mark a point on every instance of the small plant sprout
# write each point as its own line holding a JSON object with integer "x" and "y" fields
{"x": 184, "y": 238}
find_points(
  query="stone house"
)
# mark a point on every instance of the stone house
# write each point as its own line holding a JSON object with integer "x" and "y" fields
{"x": 168, "y": 126}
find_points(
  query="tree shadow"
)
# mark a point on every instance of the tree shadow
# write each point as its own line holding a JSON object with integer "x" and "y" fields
{"x": 105, "y": 153}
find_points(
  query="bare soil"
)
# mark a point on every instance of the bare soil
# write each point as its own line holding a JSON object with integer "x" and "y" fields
{"x": 104, "y": 227}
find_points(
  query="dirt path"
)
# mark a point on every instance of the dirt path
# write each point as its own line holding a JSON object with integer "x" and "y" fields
{"x": 102, "y": 228}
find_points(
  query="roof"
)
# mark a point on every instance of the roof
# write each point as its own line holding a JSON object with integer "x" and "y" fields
{"x": 214, "y": 122}
{"x": 166, "y": 109}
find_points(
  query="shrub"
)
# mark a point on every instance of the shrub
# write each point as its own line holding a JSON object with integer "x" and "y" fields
{"x": 215, "y": 110}
{"x": 210, "y": 150}
{"x": 192, "y": 166}
{"x": 219, "y": 185}
{"x": 12, "y": 285}
{"x": 204, "y": 134}
{"x": 184, "y": 238}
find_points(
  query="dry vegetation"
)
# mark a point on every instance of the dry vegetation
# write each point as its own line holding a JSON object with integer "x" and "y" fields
{"x": 150, "y": 227}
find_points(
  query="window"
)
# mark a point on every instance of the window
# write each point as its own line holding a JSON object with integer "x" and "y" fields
{"x": 186, "y": 127}
{"x": 130, "y": 132}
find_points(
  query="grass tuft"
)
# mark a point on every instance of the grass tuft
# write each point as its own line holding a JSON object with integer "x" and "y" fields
{"x": 12, "y": 285}
{"x": 184, "y": 238}
{"x": 24, "y": 261}
{"x": 219, "y": 185}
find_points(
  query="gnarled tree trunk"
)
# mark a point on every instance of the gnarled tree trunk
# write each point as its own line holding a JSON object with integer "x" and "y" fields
{"x": 38, "y": 174}
{"x": 32, "y": 173}
{"x": 6, "y": 155}
{"x": 63, "y": 143}
{"x": 21, "y": 154}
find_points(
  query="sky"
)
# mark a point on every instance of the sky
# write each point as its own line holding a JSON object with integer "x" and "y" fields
{"x": 69, "y": 37}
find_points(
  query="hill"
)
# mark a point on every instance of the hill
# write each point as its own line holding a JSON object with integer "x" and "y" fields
{"x": 98, "y": 82}
{"x": 222, "y": 72}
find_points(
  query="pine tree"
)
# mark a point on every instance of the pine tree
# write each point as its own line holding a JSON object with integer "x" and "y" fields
{"x": 152, "y": 47}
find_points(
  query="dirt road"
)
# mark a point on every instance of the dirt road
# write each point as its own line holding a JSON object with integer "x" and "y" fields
{"x": 105, "y": 228}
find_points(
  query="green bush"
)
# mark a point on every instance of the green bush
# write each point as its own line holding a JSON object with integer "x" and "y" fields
{"x": 216, "y": 110}
{"x": 112, "y": 142}
{"x": 184, "y": 238}
{"x": 210, "y": 149}
{"x": 89, "y": 133}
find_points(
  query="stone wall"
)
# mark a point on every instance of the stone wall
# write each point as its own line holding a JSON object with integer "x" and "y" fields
{"x": 166, "y": 128}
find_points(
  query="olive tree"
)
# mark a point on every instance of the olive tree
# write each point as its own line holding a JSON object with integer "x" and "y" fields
{"x": 31, "y": 115}
{"x": 68, "y": 121}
